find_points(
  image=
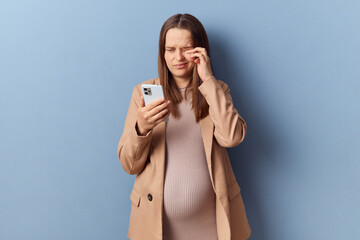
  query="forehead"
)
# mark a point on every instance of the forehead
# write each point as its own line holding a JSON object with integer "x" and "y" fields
{"x": 178, "y": 37}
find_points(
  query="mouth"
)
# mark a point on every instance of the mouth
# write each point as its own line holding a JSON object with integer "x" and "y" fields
{"x": 179, "y": 66}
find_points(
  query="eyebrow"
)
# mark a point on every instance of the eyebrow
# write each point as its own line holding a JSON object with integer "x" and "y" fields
{"x": 182, "y": 47}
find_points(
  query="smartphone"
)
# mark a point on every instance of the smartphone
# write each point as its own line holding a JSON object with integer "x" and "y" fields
{"x": 152, "y": 92}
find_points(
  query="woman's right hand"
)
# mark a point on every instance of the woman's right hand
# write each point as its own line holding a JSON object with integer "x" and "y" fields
{"x": 151, "y": 115}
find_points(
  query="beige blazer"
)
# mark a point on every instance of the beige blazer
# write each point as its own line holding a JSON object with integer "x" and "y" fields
{"x": 145, "y": 157}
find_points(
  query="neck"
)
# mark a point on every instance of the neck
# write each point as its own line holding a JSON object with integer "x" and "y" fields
{"x": 181, "y": 82}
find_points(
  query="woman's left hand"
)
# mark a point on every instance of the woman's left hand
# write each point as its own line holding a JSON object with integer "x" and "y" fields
{"x": 202, "y": 60}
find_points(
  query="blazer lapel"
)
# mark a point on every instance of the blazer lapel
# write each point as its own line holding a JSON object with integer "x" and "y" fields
{"x": 158, "y": 145}
{"x": 207, "y": 130}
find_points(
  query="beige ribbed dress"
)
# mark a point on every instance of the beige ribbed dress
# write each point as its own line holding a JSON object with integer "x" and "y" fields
{"x": 189, "y": 198}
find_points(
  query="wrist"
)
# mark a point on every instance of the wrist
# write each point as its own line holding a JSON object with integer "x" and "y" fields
{"x": 208, "y": 77}
{"x": 140, "y": 131}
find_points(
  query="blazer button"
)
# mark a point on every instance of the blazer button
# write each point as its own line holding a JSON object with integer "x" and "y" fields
{"x": 150, "y": 197}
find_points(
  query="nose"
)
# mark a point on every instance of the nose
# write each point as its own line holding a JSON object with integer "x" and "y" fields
{"x": 179, "y": 55}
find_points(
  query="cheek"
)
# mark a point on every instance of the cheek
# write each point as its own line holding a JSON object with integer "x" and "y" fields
{"x": 188, "y": 57}
{"x": 168, "y": 58}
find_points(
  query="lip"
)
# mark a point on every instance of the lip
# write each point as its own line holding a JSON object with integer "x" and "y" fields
{"x": 179, "y": 66}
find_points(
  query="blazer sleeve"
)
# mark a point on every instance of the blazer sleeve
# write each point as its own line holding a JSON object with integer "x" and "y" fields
{"x": 133, "y": 149}
{"x": 230, "y": 127}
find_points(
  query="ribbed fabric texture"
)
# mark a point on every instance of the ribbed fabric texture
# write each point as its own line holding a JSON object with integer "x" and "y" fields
{"x": 189, "y": 198}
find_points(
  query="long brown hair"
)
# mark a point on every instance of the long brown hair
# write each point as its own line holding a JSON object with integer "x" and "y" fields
{"x": 171, "y": 92}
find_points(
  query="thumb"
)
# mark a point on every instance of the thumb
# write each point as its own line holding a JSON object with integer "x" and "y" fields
{"x": 142, "y": 102}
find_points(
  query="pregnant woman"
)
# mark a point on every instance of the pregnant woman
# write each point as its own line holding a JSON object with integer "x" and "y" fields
{"x": 185, "y": 188}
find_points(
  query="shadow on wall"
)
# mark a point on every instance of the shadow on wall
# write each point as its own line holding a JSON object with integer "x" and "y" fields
{"x": 259, "y": 143}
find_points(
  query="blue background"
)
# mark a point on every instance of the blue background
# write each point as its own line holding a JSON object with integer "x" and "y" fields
{"x": 67, "y": 70}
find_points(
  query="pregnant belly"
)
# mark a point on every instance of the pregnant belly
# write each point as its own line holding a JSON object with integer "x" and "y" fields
{"x": 188, "y": 194}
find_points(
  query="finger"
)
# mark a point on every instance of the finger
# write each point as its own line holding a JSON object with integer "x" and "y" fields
{"x": 197, "y": 49}
{"x": 157, "y": 117}
{"x": 162, "y": 118}
{"x": 159, "y": 108}
{"x": 197, "y": 54}
{"x": 154, "y": 104}
{"x": 200, "y": 56}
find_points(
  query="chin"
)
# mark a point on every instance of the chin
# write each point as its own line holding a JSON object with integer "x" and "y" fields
{"x": 183, "y": 73}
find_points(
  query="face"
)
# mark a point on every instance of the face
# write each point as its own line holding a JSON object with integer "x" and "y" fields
{"x": 180, "y": 63}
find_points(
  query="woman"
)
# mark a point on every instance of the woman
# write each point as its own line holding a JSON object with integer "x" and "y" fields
{"x": 185, "y": 187}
